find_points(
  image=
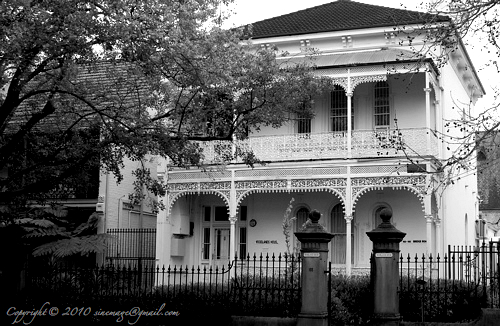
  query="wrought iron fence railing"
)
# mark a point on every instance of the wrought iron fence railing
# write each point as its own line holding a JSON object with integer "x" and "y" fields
{"x": 258, "y": 285}
{"x": 452, "y": 287}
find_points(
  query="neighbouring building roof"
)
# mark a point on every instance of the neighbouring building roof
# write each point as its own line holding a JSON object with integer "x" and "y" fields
{"x": 339, "y": 15}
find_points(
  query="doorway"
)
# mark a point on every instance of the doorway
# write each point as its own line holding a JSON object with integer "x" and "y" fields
{"x": 221, "y": 247}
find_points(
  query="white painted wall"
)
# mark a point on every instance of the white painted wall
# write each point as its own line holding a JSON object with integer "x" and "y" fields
{"x": 117, "y": 214}
{"x": 268, "y": 210}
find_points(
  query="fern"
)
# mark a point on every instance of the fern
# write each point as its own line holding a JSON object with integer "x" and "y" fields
{"x": 78, "y": 245}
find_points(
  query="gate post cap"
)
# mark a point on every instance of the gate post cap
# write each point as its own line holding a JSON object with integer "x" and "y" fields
{"x": 314, "y": 216}
{"x": 386, "y": 215}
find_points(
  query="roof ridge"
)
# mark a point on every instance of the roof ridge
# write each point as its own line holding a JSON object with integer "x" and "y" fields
{"x": 339, "y": 15}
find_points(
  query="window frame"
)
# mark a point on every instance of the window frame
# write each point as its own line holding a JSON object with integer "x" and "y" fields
{"x": 338, "y": 110}
{"x": 381, "y": 105}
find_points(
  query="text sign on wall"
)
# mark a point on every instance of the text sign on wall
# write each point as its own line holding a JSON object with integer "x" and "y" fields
{"x": 266, "y": 241}
{"x": 383, "y": 255}
{"x": 311, "y": 254}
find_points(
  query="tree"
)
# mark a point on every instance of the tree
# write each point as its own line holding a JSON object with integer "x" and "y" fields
{"x": 450, "y": 25}
{"x": 87, "y": 84}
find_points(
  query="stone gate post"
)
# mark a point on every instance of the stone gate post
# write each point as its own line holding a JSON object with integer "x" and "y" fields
{"x": 314, "y": 241}
{"x": 384, "y": 270}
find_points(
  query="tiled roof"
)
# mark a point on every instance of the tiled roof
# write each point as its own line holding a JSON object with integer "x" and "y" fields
{"x": 108, "y": 86}
{"x": 337, "y": 16}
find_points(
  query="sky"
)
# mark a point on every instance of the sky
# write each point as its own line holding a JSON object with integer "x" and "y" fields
{"x": 249, "y": 11}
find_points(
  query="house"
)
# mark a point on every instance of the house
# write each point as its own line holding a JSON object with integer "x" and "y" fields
{"x": 488, "y": 180}
{"x": 115, "y": 90}
{"x": 377, "y": 140}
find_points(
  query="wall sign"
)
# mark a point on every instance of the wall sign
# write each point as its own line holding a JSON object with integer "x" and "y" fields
{"x": 252, "y": 223}
{"x": 311, "y": 254}
{"x": 266, "y": 241}
{"x": 383, "y": 255}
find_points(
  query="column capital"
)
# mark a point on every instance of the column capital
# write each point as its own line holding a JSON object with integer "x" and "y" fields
{"x": 437, "y": 221}
{"x": 233, "y": 219}
{"x": 349, "y": 94}
{"x": 429, "y": 218}
{"x": 427, "y": 89}
{"x": 348, "y": 218}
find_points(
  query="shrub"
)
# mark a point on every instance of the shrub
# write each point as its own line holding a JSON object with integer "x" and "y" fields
{"x": 350, "y": 300}
{"x": 440, "y": 300}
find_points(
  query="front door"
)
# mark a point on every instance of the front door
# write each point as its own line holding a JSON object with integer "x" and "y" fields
{"x": 221, "y": 247}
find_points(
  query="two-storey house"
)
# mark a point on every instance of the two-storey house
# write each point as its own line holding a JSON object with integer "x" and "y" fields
{"x": 376, "y": 140}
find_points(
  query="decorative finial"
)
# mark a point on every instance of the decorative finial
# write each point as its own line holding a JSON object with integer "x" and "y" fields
{"x": 386, "y": 215}
{"x": 314, "y": 216}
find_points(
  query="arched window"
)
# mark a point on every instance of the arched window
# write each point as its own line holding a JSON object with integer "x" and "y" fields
{"x": 381, "y": 106}
{"x": 301, "y": 217}
{"x": 376, "y": 214}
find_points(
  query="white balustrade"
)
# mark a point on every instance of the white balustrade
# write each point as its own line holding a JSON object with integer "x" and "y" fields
{"x": 365, "y": 143}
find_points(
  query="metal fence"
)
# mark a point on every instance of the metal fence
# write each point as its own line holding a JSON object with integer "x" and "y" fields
{"x": 258, "y": 285}
{"x": 450, "y": 288}
{"x": 132, "y": 247}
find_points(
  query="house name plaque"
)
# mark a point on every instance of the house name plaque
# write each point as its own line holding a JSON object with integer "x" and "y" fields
{"x": 383, "y": 255}
{"x": 311, "y": 254}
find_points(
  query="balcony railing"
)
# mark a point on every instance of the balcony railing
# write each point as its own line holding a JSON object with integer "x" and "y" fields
{"x": 332, "y": 145}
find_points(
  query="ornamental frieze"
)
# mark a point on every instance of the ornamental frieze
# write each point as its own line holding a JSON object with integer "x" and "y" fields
{"x": 195, "y": 186}
{"x": 315, "y": 183}
{"x": 355, "y": 81}
{"x": 266, "y": 184}
{"x": 389, "y": 181}
{"x": 414, "y": 184}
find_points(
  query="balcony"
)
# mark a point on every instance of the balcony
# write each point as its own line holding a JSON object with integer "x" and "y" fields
{"x": 332, "y": 145}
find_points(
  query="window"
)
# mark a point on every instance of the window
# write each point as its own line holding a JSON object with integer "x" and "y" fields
{"x": 243, "y": 242}
{"x": 221, "y": 214}
{"x": 381, "y": 107}
{"x": 303, "y": 124}
{"x": 206, "y": 215}
{"x": 206, "y": 243}
{"x": 338, "y": 110}
{"x": 302, "y": 216}
{"x": 243, "y": 213}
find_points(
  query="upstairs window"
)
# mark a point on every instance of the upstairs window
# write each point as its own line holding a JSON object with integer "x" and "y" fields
{"x": 303, "y": 124}
{"x": 381, "y": 107}
{"x": 338, "y": 110}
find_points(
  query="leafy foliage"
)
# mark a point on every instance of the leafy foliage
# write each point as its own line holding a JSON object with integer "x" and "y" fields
{"x": 51, "y": 231}
{"x": 88, "y": 84}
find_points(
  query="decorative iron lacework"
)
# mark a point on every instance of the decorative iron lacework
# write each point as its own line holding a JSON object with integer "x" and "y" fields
{"x": 389, "y": 181}
{"x": 355, "y": 81}
{"x": 414, "y": 184}
{"x": 174, "y": 195}
{"x": 198, "y": 186}
{"x": 291, "y": 172}
{"x": 266, "y": 184}
{"x": 315, "y": 183}
{"x": 198, "y": 175}
{"x": 378, "y": 169}
{"x": 371, "y": 69}
{"x": 335, "y": 186}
